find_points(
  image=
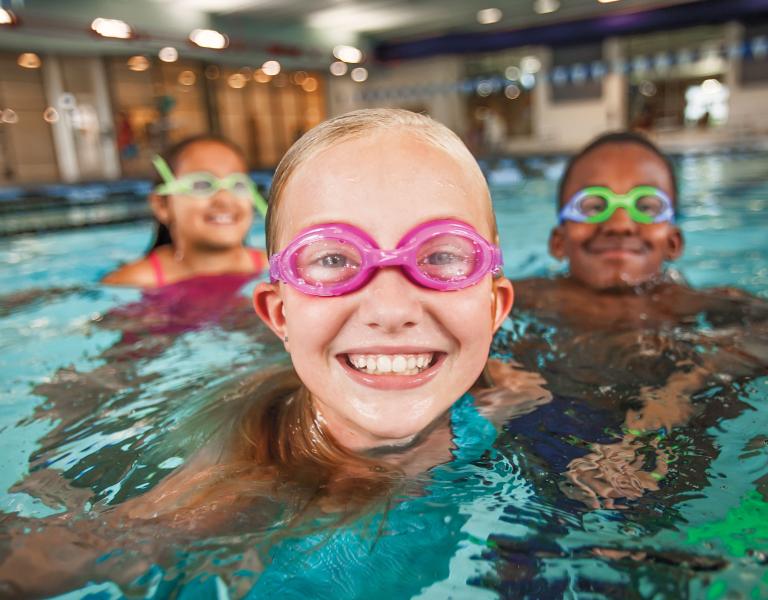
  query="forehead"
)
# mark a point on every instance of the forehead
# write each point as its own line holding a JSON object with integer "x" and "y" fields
{"x": 619, "y": 166}
{"x": 210, "y": 156}
{"x": 385, "y": 183}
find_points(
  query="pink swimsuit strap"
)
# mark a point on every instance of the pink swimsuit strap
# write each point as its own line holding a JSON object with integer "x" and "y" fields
{"x": 157, "y": 267}
{"x": 259, "y": 261}
{"x": 257, "y": 257}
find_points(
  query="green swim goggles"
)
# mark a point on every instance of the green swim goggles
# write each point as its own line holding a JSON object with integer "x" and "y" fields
{"x": 204, "y": 185}
{"x": 595, "y": 204}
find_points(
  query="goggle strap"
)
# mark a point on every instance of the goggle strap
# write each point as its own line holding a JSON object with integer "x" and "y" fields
{"x": 258, "y": 200}
{"x": 163, "y": 169}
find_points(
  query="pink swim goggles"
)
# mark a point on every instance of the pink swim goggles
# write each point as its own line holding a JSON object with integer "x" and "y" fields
{"x": 335, "y": 258}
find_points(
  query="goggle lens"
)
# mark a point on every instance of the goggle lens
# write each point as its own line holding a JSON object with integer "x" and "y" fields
{"x": 447, "y": 257}
{"x": 650, "y": 205}
{"x": 327, "y": 262}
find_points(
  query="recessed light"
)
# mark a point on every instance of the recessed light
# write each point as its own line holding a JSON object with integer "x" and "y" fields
{"x": 209, "y": 38}
{"x": 7, "y": 17}
{"x": 488, "y": 16}
{"x": 543, "y": 7}
{"x": 29, "y": 60}
{"x": 348, "y": 54}
{"x": 359, "y": 74}
{"x": 112, "y": 28}
{"x": 138, "y": 63}
{"x": 338, "y": 68}
{"x": 168, "y": 54}
{"x": 271, "y": 68}
{"x": 530, "y": 64}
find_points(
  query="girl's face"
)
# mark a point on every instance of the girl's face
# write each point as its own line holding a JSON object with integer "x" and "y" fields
{"x": 619, "y": 252}
{"x": 217, "y": 222}
{"x": 385, "y": 183}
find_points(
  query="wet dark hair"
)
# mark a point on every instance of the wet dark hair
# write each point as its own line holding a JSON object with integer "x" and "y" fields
{"x": 171, "y": 156}
{"x": 617, "y": 137}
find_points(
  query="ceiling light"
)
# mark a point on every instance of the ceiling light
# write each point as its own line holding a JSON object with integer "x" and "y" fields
{"x": 7, "y": 17}
{"x": 530, "y": 64}
{"x": 168, "y": 54}
{"x": 271, "y": 68}
{"x": 29, "y": 60}
{"x": 50, "y": 115}
{"x": 187, "y": 78}
{"x": 543, "y": 7}
{"x": 9, "y": 116}
{"x": 237, "y": 81}
{"x": 338, "y": 68}
{"x": 606, "y": 1}
{"x": 112, "y": 28}
{"x": 487, "y": 16}
{"x": 359, "y": 74}
{"x": 348, "y": 54}
{"x": 208, "y": 38}
{"x": 309, "y": 84}
{"x": 138, "y": 63}
{"x": 512, "y": 91}
{"x": 512, "y": 72}
{"x": 261, "y": 77}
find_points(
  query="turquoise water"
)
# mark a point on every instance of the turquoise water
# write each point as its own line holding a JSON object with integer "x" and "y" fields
{"x": 97, "y": 402}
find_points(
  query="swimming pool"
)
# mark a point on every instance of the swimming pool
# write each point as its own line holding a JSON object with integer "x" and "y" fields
{"x": 100, "y": 386}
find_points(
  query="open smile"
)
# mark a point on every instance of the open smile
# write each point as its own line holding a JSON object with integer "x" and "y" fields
{"x": 392, "y": 370}
{"x": 221, "y": 219}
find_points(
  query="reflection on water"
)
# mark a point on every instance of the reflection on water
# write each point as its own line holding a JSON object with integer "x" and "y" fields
{"x": 593, "y": 494}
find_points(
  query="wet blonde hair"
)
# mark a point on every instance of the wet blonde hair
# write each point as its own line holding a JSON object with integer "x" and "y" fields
{"x": 354, "y": 125}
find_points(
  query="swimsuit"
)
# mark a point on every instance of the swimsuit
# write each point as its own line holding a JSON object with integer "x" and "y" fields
{"x": 257, "y": 256}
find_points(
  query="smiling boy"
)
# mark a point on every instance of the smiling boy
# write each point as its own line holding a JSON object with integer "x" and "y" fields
{"x": 619, "y": 330}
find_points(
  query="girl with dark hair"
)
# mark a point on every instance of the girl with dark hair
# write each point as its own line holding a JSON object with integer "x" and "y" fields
{"x": 202, "y": 205}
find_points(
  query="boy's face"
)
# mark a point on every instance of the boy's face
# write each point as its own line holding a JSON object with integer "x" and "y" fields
{"x": 619, "y": 252}
{"x": 385, "y": 184}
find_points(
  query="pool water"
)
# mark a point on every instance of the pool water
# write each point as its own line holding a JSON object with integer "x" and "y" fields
{"x": 102, "y": 391}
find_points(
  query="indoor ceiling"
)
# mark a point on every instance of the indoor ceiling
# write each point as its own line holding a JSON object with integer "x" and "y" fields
{"x": 301, "y": 32}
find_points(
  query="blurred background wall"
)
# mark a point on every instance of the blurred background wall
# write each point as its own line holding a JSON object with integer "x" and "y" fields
{"x": 524, "y": 77}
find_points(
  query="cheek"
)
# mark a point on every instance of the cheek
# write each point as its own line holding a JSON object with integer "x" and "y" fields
{"x": 467, "y": 316}
{"x": 576, "y": 234}
{"x": 312, "y": 322}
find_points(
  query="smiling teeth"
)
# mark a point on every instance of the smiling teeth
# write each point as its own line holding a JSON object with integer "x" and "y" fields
{"x": 385, "y": 364}
{"x": 222, "y": 219}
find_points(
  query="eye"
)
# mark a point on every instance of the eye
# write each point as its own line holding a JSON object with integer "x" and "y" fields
{"x": 447, "y": 257}
{"x": 590, "y": 206}
{"x": 240, "y": 188}
{"x": 441, "y": 258}
{"x": 334, "y": 261}
{"x": 652, "y": 206}
{"x": 327, "y": 261}
{"x": 201, "y": 187}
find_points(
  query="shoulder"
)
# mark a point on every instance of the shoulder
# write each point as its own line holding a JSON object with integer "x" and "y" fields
{"x": 536, "y": 292}
{"x": 139, "y": 273}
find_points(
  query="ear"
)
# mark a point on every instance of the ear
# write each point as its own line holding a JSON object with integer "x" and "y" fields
{"x": 557, "y": 242}
{"x": 503, "y": 298}
{"x": 675, "y": 243}
{"x": 268, "y": 304}
{"x": 159, "y": 206}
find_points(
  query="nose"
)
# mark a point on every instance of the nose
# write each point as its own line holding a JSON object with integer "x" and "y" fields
{"x": 390, "y": 302}
{"x": 620, "y": 223}
{"x": 222, "y": 196}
